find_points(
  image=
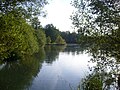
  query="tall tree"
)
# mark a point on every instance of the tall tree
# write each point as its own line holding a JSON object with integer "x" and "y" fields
{"x": 101, "y": 20}
{"x": 97, "y": 16}
{"x": 70, "y": 37}
{"x": 17, "y": 37}
{"x": 52, "y": 32}
{"x": 35, "y": 23}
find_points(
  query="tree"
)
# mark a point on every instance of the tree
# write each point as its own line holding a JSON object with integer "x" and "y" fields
{"x": 70, "y": 37}
{"x": 97, "y": 16}
{"x": 17, "y": 37}
{"x": 60, "y": 40}
{"x": 92, "y": 82}
{"x": 41, "y": 37}
{"x": 52, "y": 32}
{"x": 35, "y": 23}
{"x": 48, "y": 40}
{"x": 28, "y": 8}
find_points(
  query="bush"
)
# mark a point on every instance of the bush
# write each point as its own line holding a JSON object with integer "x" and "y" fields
{"x": 16, "y": 37}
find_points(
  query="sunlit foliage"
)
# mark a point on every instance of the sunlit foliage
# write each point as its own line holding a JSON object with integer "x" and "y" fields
{"x": 41, "y": 37}
{"x": 16, "y": 36}
{"x": 60, "y": 40}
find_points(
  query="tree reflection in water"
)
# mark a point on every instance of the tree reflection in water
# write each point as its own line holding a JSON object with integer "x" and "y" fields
{"x": 18, "y": 75}
{"x": 52, "y": 52}
{"x": 106, "y": 73}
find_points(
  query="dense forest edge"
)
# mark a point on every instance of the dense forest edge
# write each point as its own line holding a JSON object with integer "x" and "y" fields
{"x": 18, "y": 33}
{"x": 21, "y": 32}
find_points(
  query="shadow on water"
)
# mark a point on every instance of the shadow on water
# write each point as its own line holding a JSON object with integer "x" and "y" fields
{"x": 18, "y": 75}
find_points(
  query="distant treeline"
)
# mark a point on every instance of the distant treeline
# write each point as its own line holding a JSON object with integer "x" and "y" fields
{"x": 21, "y": 32}
{"x": 52, "y": 32}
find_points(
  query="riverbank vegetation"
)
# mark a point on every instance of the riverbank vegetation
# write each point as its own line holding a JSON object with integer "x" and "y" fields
{"x": 21, "y": 32}
{"x": 98, "y": 22}
{"x": 18, "y": 36}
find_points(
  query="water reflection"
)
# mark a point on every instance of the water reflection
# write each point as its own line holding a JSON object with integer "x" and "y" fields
{"x": 63, "y": 69}
{"x": 18, "y": 75}
{"x": 52, "y": 52}
{"x": 75, "y": 49}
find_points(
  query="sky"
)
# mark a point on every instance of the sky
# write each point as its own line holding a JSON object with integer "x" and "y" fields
{"x": 58, "y": 14}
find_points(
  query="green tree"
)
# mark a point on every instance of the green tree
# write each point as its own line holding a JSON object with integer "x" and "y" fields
{"x": 92, "y": 82}
{"x": 28, "y": 8}
{"x": 70, "y": 37}
{"x": 41, "y": 37}
{"x": 17, "y": 37}
{"x": 98, "y": 17}
{"x": 52, "y": 32}
{"x": 60, "y": 40}
{"x": 35, "y": 23}
{"x": 48, "y": 40}
{"x": 40, "y": 34}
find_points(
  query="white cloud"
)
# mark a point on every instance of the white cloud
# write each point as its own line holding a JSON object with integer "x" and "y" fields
{"x": 59, "y": 12}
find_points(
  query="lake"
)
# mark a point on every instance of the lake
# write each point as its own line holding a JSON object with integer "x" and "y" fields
{"x": 53, "y": 68}
{"x": 63, "y": 71}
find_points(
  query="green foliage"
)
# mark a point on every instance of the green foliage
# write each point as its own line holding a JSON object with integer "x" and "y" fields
{"x": 60, "y": 40}
{"x": 41, "y": 37}
{"x": 28, "y": 8}
{"x": 97, "y": 17}
{"x": 35, "y": 23}
{"x": 100, "y": 21}
{"x": 16, "y": 37}
{"x": 40, "y": 34}
{"x": 92, "y": 83}
{"x": 48, "y": 40}
{"x": 70, "y": 37}
{"x": 52, "y": 32}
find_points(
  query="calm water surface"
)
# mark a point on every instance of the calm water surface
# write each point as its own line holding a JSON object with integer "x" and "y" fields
{"x": 62, "y": 74}
{"x": 55, "y": 68}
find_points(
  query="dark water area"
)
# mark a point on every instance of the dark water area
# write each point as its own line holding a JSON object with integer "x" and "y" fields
{"x": 61, "y": 68}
